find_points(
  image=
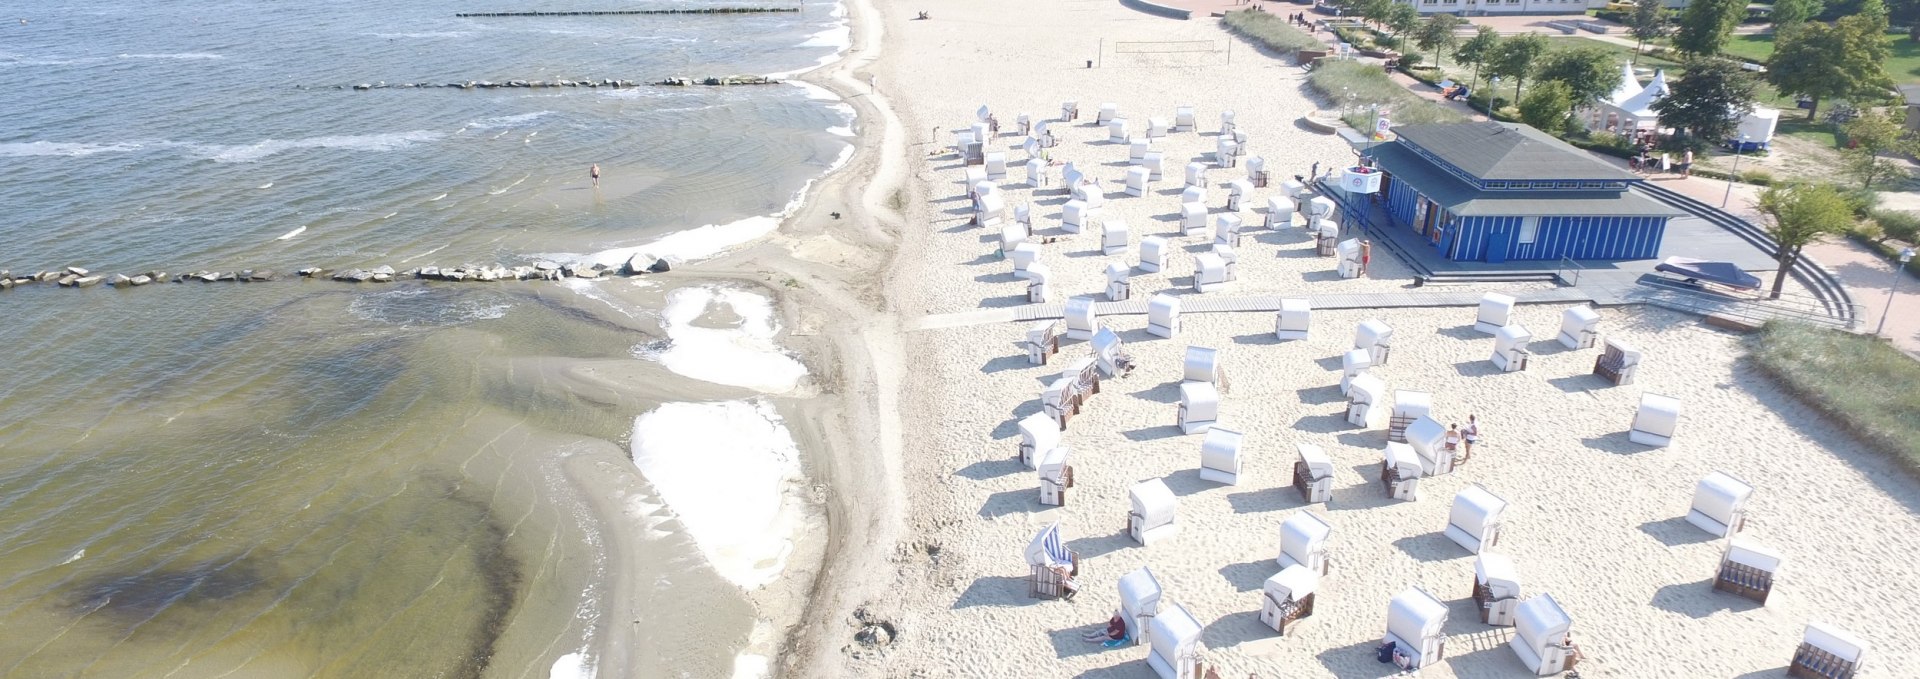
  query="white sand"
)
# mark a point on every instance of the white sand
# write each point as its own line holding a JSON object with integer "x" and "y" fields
{"x": 729, "y": 471}
{"x": 1594, "y": 520}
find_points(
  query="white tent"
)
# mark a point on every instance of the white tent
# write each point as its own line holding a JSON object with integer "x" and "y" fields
{"x": 1043, "y": 340}
{"x": 1365, "y": 396}
{"x": 1074, "y": 215}
{"x": 1756, "y": 128}
{"x": 1287, "y": 596}
{"x": 1203, "y": 365}
{"x": 1039, "y": 281}
{"x": 1056, "y": 476}
{"x": 1153, "y": 253}
{"x": 1209, "y": 272}
{"x": 1496, "y": 312}
{"x": 1012, "y": 236}
{"x": 1113, "y": 237}
{"x": 1239, "y": 191}
{"x": 1082, "y": 323}
{"x": 1183, "y": 119}
{"x": 1163, "y": 315}
{"x": 1118, "y": 288}
{"x": 1174, "y": 637}
{"x": 1156, "y": 127}
{"x": 1496, "y": 588}
{"x": 1199, "y": 407}
{"x": 1475, "y": 521}
{"x": 1140, "y": 595}
{"x": 1139, "y": 180}
{"x": 1510, "y": 348}
{"x": 1279, "y": 213}
{"x": 1293, "y": 319}
{"x": 1117, "y": 130}
{"x": 1579, "y": 327}
{"x": 1630, "y": 108}
{"x": 1353, "y": 364}
{"x": 1152, "y": 516}
{"x": 1313, "y": 474}
{"x": 1540, "y": 638}
{"x": 1720, "y": 504}
{"x": 1428, "y": 439}
{"x": 1138, "y": 147}
{"x": 1196, "y": 176}
{"x": 1226, "y": 229}
{"x": 1156, "y": 164}
{"x": 1193, "y": 217}
{"x": 1654, "y": 423}
{"x": 1400, "y": 471}
{"x": 1303, "y": 542}
{"x": 1415, "y": 620}
{"x": 1828, "y": 651}
{"x": 1220, "y": 456}
{"x": 1038, "y": 434}
{"x": 1108, "y": 111}
{"x": 1618, "y": 362}
{"x": 1376, "y": 337}
{"x": 1349, "y": 265}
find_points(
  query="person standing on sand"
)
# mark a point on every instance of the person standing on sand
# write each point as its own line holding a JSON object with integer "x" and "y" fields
{"x": 1366, "y": 255}
{"x": 595, "y": 173}
{"x": 1472, "y": 433}
{"x": 1686, "y": 164}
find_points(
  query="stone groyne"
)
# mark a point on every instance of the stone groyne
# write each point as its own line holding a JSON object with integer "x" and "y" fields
{"x": 77, "y": 277}
{"x": 676, "y": 81}
{"x": 632, "y": 12}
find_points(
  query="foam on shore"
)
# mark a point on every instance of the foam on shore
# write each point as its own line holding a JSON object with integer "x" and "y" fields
{"x": 741, "y": 356}
{"x": 730, "y": 472}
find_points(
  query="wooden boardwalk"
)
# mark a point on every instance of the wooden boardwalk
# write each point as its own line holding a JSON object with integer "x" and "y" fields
{"x": 1201, "y": 304}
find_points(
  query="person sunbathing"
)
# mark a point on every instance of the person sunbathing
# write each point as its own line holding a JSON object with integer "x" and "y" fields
{"x": 1114, "y": 634}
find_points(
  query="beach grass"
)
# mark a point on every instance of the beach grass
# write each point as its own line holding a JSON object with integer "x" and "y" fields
{"x": 1353, "y": 87}
{"x": 1866, "y": 384}
{"x": 1270, "y": 31}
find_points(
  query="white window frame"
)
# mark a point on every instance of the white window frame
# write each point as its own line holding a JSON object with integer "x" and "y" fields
{"x": 1529, "y": 230}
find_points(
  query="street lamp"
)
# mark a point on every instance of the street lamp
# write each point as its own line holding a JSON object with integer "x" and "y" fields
{"x": 1736, "y": 171}
{"x": 1906, "y": 255}
{"x": 1493, "y": 85}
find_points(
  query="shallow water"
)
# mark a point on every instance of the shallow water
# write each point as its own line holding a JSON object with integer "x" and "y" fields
{"x": 310, "y": 479}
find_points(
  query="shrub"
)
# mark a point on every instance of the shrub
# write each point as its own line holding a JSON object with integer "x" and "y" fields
{"x": 1269, "y": 30}
{"x": 1898, "y": 225}
{"x": 1410, "y": 60}
{"x": 1757, "y": 177}
{"x": 1387, "y": 42}
{"x": 1862, "y": 201}
{"x": 1359, "y": 85}
{"x": 1871, "y": 388}
{"x": 1867, "y": 230}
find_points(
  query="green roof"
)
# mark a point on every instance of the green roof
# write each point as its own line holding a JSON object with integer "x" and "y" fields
{"x": 1491, "y": 150}
{"x": 1463, "y": 199}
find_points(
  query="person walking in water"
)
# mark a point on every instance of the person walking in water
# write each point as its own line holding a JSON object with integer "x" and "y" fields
{"x": 595, "y": 172}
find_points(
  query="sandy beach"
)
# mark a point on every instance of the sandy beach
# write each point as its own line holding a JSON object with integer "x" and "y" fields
{"x": 1594, "y": 520}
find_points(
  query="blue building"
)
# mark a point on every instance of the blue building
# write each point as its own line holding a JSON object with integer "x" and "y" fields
{"x": 1494, "y": 192}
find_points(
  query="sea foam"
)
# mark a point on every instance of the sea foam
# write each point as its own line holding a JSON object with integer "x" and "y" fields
{"x": 730, "y": 471}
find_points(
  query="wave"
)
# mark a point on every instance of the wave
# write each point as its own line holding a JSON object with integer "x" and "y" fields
{"x": 173, "y": 55}
{"x": 498, "y": 122}
{"x": 247, "y": 153}
{"x": 66, "y": 149}
{"x": 290, "y": 234}
{"x": 423, "y": 34}
{"x": 427, "y": 307}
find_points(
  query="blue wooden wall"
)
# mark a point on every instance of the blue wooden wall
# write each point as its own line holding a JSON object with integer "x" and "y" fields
{"x": 1402, "y": 202}
{"x": 1575, "y": 237}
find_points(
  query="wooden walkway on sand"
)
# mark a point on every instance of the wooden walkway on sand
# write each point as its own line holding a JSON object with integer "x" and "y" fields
{"x": 1198, "y": 304}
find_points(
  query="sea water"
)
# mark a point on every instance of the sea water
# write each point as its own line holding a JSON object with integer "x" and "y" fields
{"x": 317, "y": 479}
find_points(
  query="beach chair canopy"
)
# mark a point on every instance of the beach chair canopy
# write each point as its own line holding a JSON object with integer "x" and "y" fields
{"x": 1227, "y": 223}
{"x": 1401, "y": 458}
{"x": 1541, "y": 622}
{"x": 1474, "y": 509}
{"x": 1749, "y": 553}
{"x": 1106, "y": 345}
{"x": 992, "y": 203}
{"x": 1658, "y": 414}
{"x": 1719, "y": 496}
{"x": 1839, "y": 642}
{"x": 1140, "y": 593}
{"x": 1355, "y": 362}
{"x": 1163, "y": 309}
{"x": 1049, "y": 548}
{"x": 1496, "y": 571}
{"x": 1319, "y": 466}
{"x": 1240, "y": 188}
{"x": 1579, "y": 319}
{"x": 1202, "y": 364}
{"x": 1053, "y": 464}
{"x": 1041, "y": 330}
{"x": 1139, "y": 176}
{"x": 1428, "y": 439}
{"x": 1325, "y": 228}
{"x": 1220, "y": 449}
{"x": 1629, "y": 354}
{"x": 1174, "y": 636}
{"x": 1414, "y": 616}
{"x": 1080, "y": 313}
{"x": 1511, "y": 337}
{"x": 1321, "y": 207}
{"x": 1409, "y": 403}
{"x": 1371, "y": 333}
{"x": 1012, "y": 235}
{"x": 1293, "y": 188}
{"x": 1304, "y": 535}
{"x": 1201, "y": 400}
{"x": 1368, "y": 389}
{"x": 1153, "y": 502}
{"x": 1039, "y": 432}
{"x": 1495, "y": 308}
{"x": 1292, "y": 583}
{"x": 1117, "y": 272}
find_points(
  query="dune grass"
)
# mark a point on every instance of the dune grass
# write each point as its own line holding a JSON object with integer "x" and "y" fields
{"x": 1866, "y": 384}
{"x": 1353, "y": 86}
{"x": 1270, "y": 30}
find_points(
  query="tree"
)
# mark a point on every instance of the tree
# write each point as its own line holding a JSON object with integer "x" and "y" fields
{"x": 1905, "y": 13}
{"x": 1869, "y": 137}
{"x": 1515, "y": 58}
{"x": 1650, "y": 21}
{"x": 1546, "y": 105}
{"x": 1705, "y": 25}
{"x": 1790, "y": 14}
{"x": 1709, "y": 100}
{"x": 1401, "y": 19}
{"x": 1477, "y": 50}
{"x": 1818, "y": 61}
{"x": 1799, "y": 215}
{"x": 1437, "y": 34}
{"x": 1589, "y": 73}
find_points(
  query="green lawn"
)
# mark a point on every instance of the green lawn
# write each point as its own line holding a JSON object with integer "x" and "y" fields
{"x": 1796, "y": 126}
{"x": 1903, "y": 61}
{"x": 1624, "y": 52}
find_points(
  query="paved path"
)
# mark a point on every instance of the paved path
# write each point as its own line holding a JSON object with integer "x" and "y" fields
{"x": 1194, "y": 304}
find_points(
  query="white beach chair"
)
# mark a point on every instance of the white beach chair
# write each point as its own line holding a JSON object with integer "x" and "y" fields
{"x": 1428, "y": 439}
{"x": 1038, "y": 434}
{"x": 1193, "y": 218}
{"x": 1043, "y": 341}
{"x": 1117, "y": 130}
{"x": 1416, "y": 622}
{"x": 1510, "y": 348}
{"x": 1353, "y": 364}
{"x": 1174, "y": 643}
{"x": 1138, "y": 147}
{"x": 1496, "y": 588}
{"x": 1113, "y": 237}
{"x": 1226, "y": 229}
{"x": 996, "y": 165}
{"x": 1156, "y": 164}
{"x": 1056, "y": 476}
{"x": 1153, "y": 253}
{"x": 1119, "y": 289}
{"x": 1319, "y": 207}
{"x": 1747, "y": 569}
{"x": 1287, "y": 597}
{"x": 1209, "y": 272}
{"x": 1156, "y": 128}
{"x": 1827, "y": 652}
{"x": 1039, "y": 283}
{"x": 1108, "y": 112}
{"x": 1348, "y": 251}
{"x": 1196, "y": 175}
{"x": 1221, "y": 460}
{"x": 1139, "y": 181}
{"x": 1279, "y": 213}
{"x": 1376, "y": 337}
{"x": 1720, "y": 504}
{"x": 1239, "y": 191}
{"x": 1110, "y": 354}
{"x": 1075, "y": 215}
{"x": 1257, "y": 171}
{"x": 1022, "y": 124}
{"x": 1037, "y": 173}
{"x": 1051, "y": 562}
{"x": 1163, "y": 316}
{"x": 1153, "y": 507}
{"x": 1070, "y": 111}
{"x": 990, "y": 209}
{"x": 1226, "y": 123}
{"x": 1082, "y": 321}
{"x": 1226, "y": 153}
{"x": 1325, "y": 234}
{"x": 1304, "y": 542}
{"x": 1579, "y": 328}
{"x": 1183, "y": 119}
{"x": 1199, "y": 407}
{"x": 1012, "y": 236}
{"x": 1366, "y": 395}
{"x": 1654, "y": 423}
{"x": 1025, "y": 255}
{"x": 1203, "y": 365}
{"x": 1541, "y": 637}
{"x": 1313, "y": 474}
{"x": 1408, "y": 405}
{"x": 1140, "y": 596}
{"x": 1475, "y": 521}
{"x": 1496, "y": 312}
{"x": 1618, "y": 362}
{"x": 1293, "y": 320}
{"x": 1400, "y": 472}
{"x": 1091, "y": 193}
